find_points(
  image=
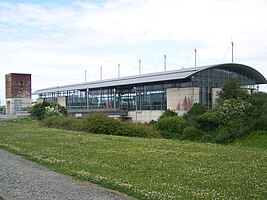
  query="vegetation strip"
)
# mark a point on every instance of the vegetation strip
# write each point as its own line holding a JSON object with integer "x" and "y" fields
{"x": 236, "y": 115}
{"x": 143, "y": 168}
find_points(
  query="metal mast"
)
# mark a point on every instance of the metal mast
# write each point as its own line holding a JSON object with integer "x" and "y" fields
{"x": 165, "y": 63}
{"x": 195, "y": 57}
{"x": 119, "y": 70}
{"x": 232, "y": 52}
{"x": 139, "y": 66}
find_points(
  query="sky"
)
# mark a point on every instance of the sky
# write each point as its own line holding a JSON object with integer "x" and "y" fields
{"x": 58, "y": 40}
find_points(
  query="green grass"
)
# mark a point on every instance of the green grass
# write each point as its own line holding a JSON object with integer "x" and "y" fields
{"x": 143, "y": 168}
{"x": 257, "y": 139}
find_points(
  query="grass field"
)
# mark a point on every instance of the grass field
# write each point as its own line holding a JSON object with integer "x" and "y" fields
{"x": 257, "y": 139}
{"x": 143, "y": 168}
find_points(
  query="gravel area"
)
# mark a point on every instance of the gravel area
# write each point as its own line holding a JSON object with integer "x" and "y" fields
{"x": 22, "y": 179}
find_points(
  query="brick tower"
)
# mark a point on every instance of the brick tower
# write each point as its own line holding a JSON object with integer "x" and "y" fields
{"x": 18, "y": 93}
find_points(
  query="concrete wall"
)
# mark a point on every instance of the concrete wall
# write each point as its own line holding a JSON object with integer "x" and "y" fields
{"x": 16, "y": 106}
{"x": 181, "y": 99}
{"x": 39, "y": 100}
{"x": 62, "y": 101}
{"x": 145, "y": 115}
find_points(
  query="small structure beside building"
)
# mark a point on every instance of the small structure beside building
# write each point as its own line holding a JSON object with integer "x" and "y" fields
{"x": 18, "y": 93}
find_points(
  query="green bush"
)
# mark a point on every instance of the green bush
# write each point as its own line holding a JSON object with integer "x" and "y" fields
{"x": 168, "y": 113}
{"x": 2, "y": 108}
{"x": 243, "y": 131}
{"x": 258, "y": 101}
{"x": 102, "y": 124}
{"x": 239, "y": 128}
{"x": 192, "y": 133}
{"x": 47, "y": 109}
{"x": 222, "y": 135}
{"x": 231, "y": 109}
{"x": 171, "y": 127}
{"x": 197, "y": 109}
{"x": 38, "y": 110}
{"x": 193, "y": 120}
{"x": 138, "y": 130}
{"x": 259, "y": 123}
{"x": 205, "y": 122}
{"x": 61, "y": 122}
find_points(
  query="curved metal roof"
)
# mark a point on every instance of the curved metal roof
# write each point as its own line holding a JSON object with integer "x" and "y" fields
{"x": 156, "y": 77}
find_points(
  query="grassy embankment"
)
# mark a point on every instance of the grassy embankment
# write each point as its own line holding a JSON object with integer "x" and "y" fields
{"x": 144, "y": 168}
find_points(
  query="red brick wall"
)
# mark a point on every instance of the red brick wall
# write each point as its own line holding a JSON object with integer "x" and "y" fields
{"x": 18, "y": 85}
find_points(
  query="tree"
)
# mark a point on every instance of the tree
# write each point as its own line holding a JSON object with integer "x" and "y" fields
{"x": 231, "y": 109}
{"x": 232, "y": 90}
{"x": 259, "y": 104}
{"x": 197, "y": 109}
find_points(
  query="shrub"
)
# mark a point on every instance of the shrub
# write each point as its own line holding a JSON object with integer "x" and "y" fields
{"x": 192, "y": 133}
{"x": 47, "y": 109}
{"x": 193, "y": 120}
{"x": 243, "y": 131}
{"x": 208, "y": 121}
{"x": 61, "y": 122}
{"x": 231, "y": 109}
{"x": 168, "y": 113}
{"x": 239, "y": 128}
{"x": 38, "y": 110}
{"x": 259, "y": 105}
{"x": 223, "y": 135}
{"x": 171, "y": 127}
{"x": 101, "y": 124}
{"x": 259, "y": 123}
{"x": 2, "y": 108}
{"x": 138, "y": 130}
{"x": 197, "y": 109}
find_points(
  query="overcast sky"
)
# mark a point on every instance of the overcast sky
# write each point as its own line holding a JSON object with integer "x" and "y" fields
{"x": 57, "y": 40}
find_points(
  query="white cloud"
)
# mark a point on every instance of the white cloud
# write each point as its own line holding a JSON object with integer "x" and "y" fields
{"x": 64, "y": 40}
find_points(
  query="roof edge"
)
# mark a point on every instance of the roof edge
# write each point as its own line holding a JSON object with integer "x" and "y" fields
{"x": 188, "y": 71}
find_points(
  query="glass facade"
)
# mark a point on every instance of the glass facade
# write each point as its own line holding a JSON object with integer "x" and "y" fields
{"x": 147, "y": 96}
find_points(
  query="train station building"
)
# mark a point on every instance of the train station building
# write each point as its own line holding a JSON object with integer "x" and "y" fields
{"x": 145, "y": 97}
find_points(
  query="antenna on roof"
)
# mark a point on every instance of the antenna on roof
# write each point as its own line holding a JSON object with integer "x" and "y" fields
{"x": 165, "y": 65}
{"x": 232, "y": 52}
{"x": 195, "y": 57}
{"x": 85, "y": 76}
{"x": 101, "y": 73}
{"x": 119, "y": 70}
{"x": 139, "y": 66}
